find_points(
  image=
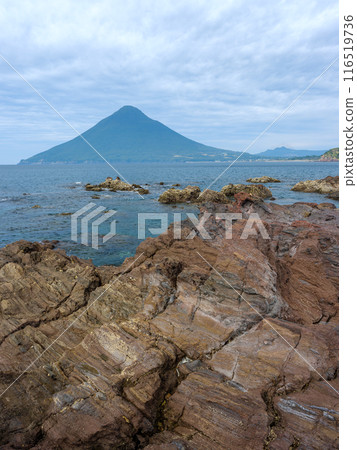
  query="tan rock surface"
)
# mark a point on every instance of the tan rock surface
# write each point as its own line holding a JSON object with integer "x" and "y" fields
{"x": 263, "y": 179}
{"x": 113, "y": 185}
{"x": 208, "y": 195}
{"x": 257, "y": 190}
{"x": 172, "y": 195}
{"x": 328, "y": 185}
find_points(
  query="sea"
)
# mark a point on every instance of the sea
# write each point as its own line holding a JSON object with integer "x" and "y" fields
{"x": 36, "y": 201}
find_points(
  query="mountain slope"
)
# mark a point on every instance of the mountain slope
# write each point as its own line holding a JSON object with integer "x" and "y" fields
{"x": 130, "y": 135}
{"x": 330, "y": 155}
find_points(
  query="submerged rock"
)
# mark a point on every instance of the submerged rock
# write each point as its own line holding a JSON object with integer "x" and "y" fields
{"x": 328, "y": 185}
{"x": 334, "y": 195}
{"x": 93, "y": 187}
{"x": 257, "y": 190}
{"x": 263, "y": 179}
{"x": 192, "y": 343}
{"x": 143, "y": 191}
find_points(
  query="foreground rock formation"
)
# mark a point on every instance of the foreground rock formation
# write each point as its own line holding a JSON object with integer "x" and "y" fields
{"x": 328, "y": 185}
{"x": 190, "y": 344}
{"x": 263, "y": 179}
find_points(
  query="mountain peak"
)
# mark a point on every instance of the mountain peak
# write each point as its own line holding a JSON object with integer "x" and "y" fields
{"x": 129, "y": 109}
{"x": 128, "y": 113}
{"x": 279, "y": 149}
{"x": 130, "y": 135}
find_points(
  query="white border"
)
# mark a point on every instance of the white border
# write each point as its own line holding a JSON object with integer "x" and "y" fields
{"x": 348, "y": 251}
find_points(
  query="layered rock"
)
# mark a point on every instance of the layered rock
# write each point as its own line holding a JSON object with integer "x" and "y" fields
{"x": 192, "y": 343}
{"x": 328, "y": 185}
{"x": 257, "y": 190}
{"x": 263, "y": 179}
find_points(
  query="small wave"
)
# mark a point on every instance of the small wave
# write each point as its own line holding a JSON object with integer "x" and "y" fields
{"x": 78, "y": 182}
{"x": 11, "y": 199}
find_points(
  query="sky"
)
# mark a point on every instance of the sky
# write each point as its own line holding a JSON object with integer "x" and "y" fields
{"x": 218, "y": 72}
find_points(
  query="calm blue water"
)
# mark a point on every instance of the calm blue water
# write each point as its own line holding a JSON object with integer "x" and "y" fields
{"x": 60, "y": 189}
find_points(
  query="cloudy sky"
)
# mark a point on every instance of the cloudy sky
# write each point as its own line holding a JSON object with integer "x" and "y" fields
{"x": 216, "y": 71}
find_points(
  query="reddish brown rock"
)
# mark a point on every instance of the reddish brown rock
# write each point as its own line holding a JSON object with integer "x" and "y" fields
{"x": 241, "y": 198}
{"x": 193, "y": 343}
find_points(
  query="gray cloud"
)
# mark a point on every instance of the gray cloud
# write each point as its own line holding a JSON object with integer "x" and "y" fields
{"x": 218, "y": 72}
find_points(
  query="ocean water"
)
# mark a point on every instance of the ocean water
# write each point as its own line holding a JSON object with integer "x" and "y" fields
{"x": 59, "y": 189}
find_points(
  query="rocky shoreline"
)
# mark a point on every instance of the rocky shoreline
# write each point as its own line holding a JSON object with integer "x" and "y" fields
{"x": 193, "y": 194}
{"x": 190, "y": 344}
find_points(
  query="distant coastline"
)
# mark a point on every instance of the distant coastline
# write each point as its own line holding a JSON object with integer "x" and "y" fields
{"x": 266, "y": 160}
{"x": 280, "y": 160}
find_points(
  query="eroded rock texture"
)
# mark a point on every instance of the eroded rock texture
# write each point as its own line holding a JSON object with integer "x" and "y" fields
{"x": 173, "y": 195}
{"x": 328, "y": 185}
{"x": 257, "y": 190}
{"x": 191, "y": 344}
